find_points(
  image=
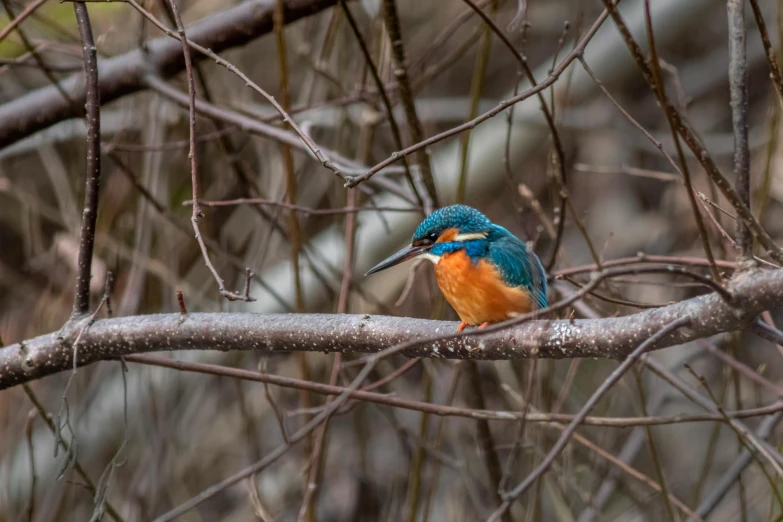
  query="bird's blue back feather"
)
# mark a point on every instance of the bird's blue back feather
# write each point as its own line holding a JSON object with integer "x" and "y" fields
{"x": 516, "y": 264}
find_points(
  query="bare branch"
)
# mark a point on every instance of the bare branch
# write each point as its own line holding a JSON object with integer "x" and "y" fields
{"x": 125, "y": 74}
{"x": 774, "y": 68}
{"x": 613, "y": 337}
{"x": 81, "y": 300}
{"x": 738, "y": 86}
{"x": 392, "y": 23}
{"x": 565, "y": 436}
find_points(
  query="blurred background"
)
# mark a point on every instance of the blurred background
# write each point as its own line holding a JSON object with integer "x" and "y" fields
{"x": 185, "y": 432}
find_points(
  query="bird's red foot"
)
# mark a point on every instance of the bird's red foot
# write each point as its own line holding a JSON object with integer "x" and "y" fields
{"x": 462, "y": 326}
{"x": 483, "y": 325}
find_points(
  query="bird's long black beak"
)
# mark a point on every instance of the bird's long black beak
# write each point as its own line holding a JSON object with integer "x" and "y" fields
{"x": 406, "y": 253}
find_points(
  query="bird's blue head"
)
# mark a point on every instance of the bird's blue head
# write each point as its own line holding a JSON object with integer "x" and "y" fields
{"x": 445, "y": 230}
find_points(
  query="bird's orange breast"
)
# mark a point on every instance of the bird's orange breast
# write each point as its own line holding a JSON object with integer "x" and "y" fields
{"x": 477, "y": 291}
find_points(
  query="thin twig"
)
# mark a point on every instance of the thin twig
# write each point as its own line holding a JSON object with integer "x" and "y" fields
{"x": 738, "y": 88}
{"x": 47, "y": 418}
{"x": 772, "y": 60}
{"x": 544, "y": 84}
{"x": 30, "y": 9}
{"x": 384, "y": 96}
{"x": 81, "y": 301}
{"x": 196, "y": 214}
{"x": 445, "y": 410}
{"x": 660, "y": 91}
{"x": 560, "y": 178}
{"x": 392, "y": 22}
{"x": 729, "y": 478}
{"x": 298, "y": 208}
{"x": 701, "y": 154}
{"x": 562, "y": 441}
{"x": 179, "y": 35}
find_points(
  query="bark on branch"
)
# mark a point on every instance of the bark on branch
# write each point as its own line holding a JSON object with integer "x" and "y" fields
{"x": 753, "y": 293}
{"x": 125, "y": 74}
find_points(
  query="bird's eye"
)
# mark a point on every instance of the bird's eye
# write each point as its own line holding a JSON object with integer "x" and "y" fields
{"x": 427, "y": 240}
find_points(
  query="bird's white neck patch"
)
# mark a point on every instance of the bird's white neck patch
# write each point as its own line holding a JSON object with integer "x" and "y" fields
{"x": 468, "y": 237}
{"x": 432, "y": 257}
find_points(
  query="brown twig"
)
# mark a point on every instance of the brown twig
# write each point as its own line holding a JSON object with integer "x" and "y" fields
{"x": 257, "y": 127}
{"x": 125, "y": 74}
{"x": 729, "y": 478}
{"x": 659, "y": 89}
{"x": 392, "y": 22}
{"x": 29, "y": 10}
{"x": 565, "y": 436}
{"x": 298, "y": 208}
{"x": 557, "y": 143}
{"x": 738, "y": 88}
{"x": 690, "y": 139}
{"x": 769, "y": 453}
{"x": 303, "y": 432}
{"x": 772, "y": 60}
{"x": 47, "y": 418}
{"x": 534, "y": 90}
{"x": 196, "y": 214}
{"x": 81, "y": 301}
{"x": 384, "y": 97}
{"x": 179, "y": 35}
{"x": 444, "y": 410}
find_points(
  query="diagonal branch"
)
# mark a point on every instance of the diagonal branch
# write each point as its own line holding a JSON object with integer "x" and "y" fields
{"x": 126, "y": 73}
{"x": 392, "y": 23}
{"x": 693, "y": 143}
{"x": 566, "y": 435}
{"x": 774, "y": 68}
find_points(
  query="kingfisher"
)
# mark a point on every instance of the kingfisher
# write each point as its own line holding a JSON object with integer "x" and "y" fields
{"x": 485, "y": 272}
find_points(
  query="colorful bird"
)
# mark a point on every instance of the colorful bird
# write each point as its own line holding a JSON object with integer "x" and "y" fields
{"x": 485, "y": 272}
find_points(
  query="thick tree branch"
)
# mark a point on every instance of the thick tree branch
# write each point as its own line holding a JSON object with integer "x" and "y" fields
{"x": 615, "y": 337}
{"x": 125, "y": 74}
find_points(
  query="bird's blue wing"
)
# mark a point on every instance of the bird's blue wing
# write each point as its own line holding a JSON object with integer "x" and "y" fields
{"x": 518, "y": 266}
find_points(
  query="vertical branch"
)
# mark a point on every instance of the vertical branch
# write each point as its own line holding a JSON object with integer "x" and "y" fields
{"x": 384, "y": 97}
{"x": 677, "y": 122}
{"x": 288, "y": 158}
{"x": 81, "y": 300}
{"x": 774, "y": 68}
{"x": 476, "y": 86}
{"x": 415, "y": 485}
{"x": 392, "y": 22}
{"x": 485, "y": 440}
{"x": 295, "y": 239}
{"x": 435, "y": 474}
{"x": 738, "y": 88}
{"x": 28, "y": 432}
{"x": 652, "y": 447}
{"x": 568, "y": 432}
{"x": 659, "y": 89}
{"x": 231, "y": 296}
